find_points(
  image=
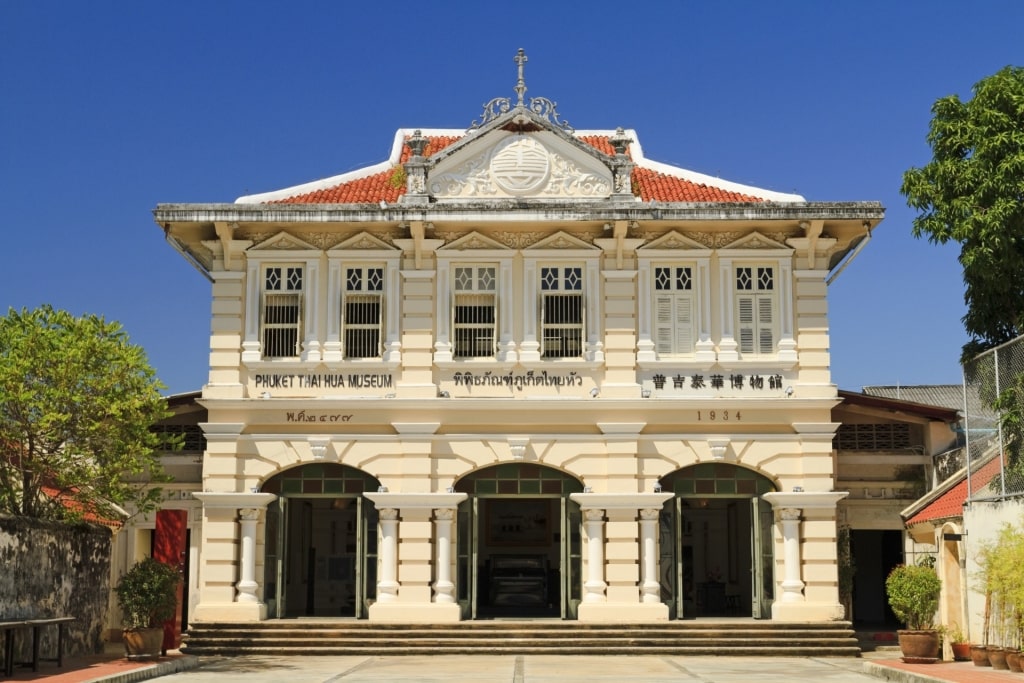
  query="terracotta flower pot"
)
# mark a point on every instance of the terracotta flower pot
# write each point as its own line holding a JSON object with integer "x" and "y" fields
{"x": 1013, "y": 660}
{"x": 979, "y": 655}
{"x": 961, "y": 651}
{"x": 143, "y": 642}
{"x": 919, "y": 647}
{"x": 997, "y": 656}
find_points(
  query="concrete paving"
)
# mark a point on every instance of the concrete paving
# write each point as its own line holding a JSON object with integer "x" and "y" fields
{"x": 523, "y": 669}
{"x": 112, "y": 667}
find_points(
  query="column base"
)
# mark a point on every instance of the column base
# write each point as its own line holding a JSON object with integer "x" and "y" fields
{"x": 414, "y": 613}
{"x": 623, "y": 613}
{"x": 807, "y": 611}
{"x": 229, "y": 611}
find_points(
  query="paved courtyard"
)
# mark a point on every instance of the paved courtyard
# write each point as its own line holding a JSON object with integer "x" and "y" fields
{"x": 523, "y": 669}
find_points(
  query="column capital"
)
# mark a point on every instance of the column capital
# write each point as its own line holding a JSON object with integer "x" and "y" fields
{"x": 234, "y": 501}
{"x": 412, "y": 501}
{"x": 805, "y": 500}
{"x": 620, "y": 501}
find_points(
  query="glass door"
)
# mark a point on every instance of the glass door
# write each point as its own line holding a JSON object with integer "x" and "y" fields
{"x": 466, "y": 578}
{"x": 763, "y": 555}
{"x": 366, "y": 565}
{"x": 572, "y": 558}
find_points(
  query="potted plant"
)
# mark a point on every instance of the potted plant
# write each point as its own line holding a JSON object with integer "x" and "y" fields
{"x": 913, "y": 592}
{"x": 148, "y": 596}
{"x": 958, "y": 643}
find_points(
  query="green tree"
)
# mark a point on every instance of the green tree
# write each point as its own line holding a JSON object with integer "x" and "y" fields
{"x": 77, "y": 402}
{"x": 972, "y": 193}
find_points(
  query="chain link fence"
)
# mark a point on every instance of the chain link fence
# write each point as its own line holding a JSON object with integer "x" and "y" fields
{"x": 994, "y": 422}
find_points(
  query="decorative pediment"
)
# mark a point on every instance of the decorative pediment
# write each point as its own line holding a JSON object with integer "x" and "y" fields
{"x": 673, "y": 240}
{"x": 562, "y": 240}
{"x": 756, "y": 240}
{"x": 283, "y": 241}
{"x": 503, "y": 164}
{"x": 363, "y": 241}
{"x": 473, "y": 241}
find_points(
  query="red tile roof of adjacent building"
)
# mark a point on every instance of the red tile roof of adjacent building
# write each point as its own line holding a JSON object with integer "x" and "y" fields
{"x": 80, "y": 509}
{"x": 951, "y": 503}
{"x": 652, "y": 182}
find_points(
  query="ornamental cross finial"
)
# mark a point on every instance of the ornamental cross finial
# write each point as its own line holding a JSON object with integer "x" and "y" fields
{"x": 520, "y": 60}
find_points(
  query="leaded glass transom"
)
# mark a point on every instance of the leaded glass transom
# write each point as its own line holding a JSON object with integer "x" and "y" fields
{"x": 519, "y": 479}
{"x": 717, "y": 479}
{"x": 320, "y": 479}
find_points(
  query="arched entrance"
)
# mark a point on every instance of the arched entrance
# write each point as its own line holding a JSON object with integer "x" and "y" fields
{"x": 321, "y": 542}
{"x": 716, "y": 543}
{"x": 518, "y": 543}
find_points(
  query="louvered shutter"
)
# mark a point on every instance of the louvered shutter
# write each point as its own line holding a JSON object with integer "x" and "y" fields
{"x": 663, "y": 324}
{"x": 765, "y": 325}
{"x": 745, "y": 305}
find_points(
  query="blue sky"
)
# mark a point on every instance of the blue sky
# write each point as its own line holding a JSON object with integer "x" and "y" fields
{"x": 108, "y": 108}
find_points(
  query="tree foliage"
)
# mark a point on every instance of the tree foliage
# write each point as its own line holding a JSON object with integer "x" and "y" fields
{"x": 972, "y": 193}
{"x": 77, "y": 402}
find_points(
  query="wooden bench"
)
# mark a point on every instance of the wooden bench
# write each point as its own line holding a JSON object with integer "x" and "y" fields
{"x": 10, "y": 627}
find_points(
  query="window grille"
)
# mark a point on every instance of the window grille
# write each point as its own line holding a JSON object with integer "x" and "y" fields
{"x": 873, "y": 437}
{"x": 190, "y": 437}
{"x": 561, "y": 312}
{"x": 673, "y": 310}
{"x": 282, "y": 312}
{"x": 475, "y": 312}
{"x": 755, "y": 303}
{"x": 363, "y": 312}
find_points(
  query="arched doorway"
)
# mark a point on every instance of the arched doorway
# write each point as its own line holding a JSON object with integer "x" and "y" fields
{"x": 716, "y": 543}
{"x": 321, "y": 542}
{"x": 518, "y": 543}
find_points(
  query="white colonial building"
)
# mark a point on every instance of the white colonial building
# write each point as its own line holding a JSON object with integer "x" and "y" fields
{"x": 518, "y": 370}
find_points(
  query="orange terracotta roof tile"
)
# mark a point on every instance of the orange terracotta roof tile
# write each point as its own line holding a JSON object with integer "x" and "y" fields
{"x": 951, "y": 503}
{"x": 649, "y": 185}
{"x": 661, "y": 187}
{"x": 80, "y": 509}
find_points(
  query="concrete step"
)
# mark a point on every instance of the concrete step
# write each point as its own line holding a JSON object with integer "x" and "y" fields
{"x": 836, "y": 639}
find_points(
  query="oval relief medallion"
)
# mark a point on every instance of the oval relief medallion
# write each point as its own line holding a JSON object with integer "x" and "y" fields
{"x": 520, "y": 165}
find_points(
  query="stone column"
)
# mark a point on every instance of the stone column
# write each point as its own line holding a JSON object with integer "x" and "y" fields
{"x": 444, "y": 589}
{"x": 650, "y": 589}
{"x": 792, "y": 586}
{"x": 807, "y": 521}
{"x": 619, "y": 549}
{"x": 231, "y": 592}
{"x": 387, "y": 585}
{"x": 417, "y": 586}
{"x": 247, "y": 585}
{"x": 594, "y": 586}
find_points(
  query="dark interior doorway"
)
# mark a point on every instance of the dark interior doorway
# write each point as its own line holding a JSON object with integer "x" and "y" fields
{"x": 875, "y": 552}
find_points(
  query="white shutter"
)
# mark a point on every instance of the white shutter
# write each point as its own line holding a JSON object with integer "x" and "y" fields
{"x": 765, "y": 325}
{"x": 663, "y": 324}
{"x": 684, "y": 324}
{"x": 745, "y": 305}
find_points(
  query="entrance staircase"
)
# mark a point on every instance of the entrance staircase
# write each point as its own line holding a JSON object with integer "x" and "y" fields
{"x": 350, "y": 637}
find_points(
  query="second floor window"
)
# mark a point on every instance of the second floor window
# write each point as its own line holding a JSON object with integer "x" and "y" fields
{"x": 673, "y": 310}
{"x": 363, "y": 312}
{"x": 561, "y": 314}
{"x": 281, "y": 323}
{"x": 755, "y": 306}
{"x": 475, "y": 312}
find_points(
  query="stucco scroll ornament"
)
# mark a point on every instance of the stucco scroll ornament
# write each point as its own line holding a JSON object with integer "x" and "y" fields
{"x": 444, "y": 514}
{"x": 249, "y": 514}
{"x": 568, "y": 179}
{"x": 469, "y": 179}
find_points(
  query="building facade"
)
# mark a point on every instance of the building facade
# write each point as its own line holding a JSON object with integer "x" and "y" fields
{"x": 518, "y": 370}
